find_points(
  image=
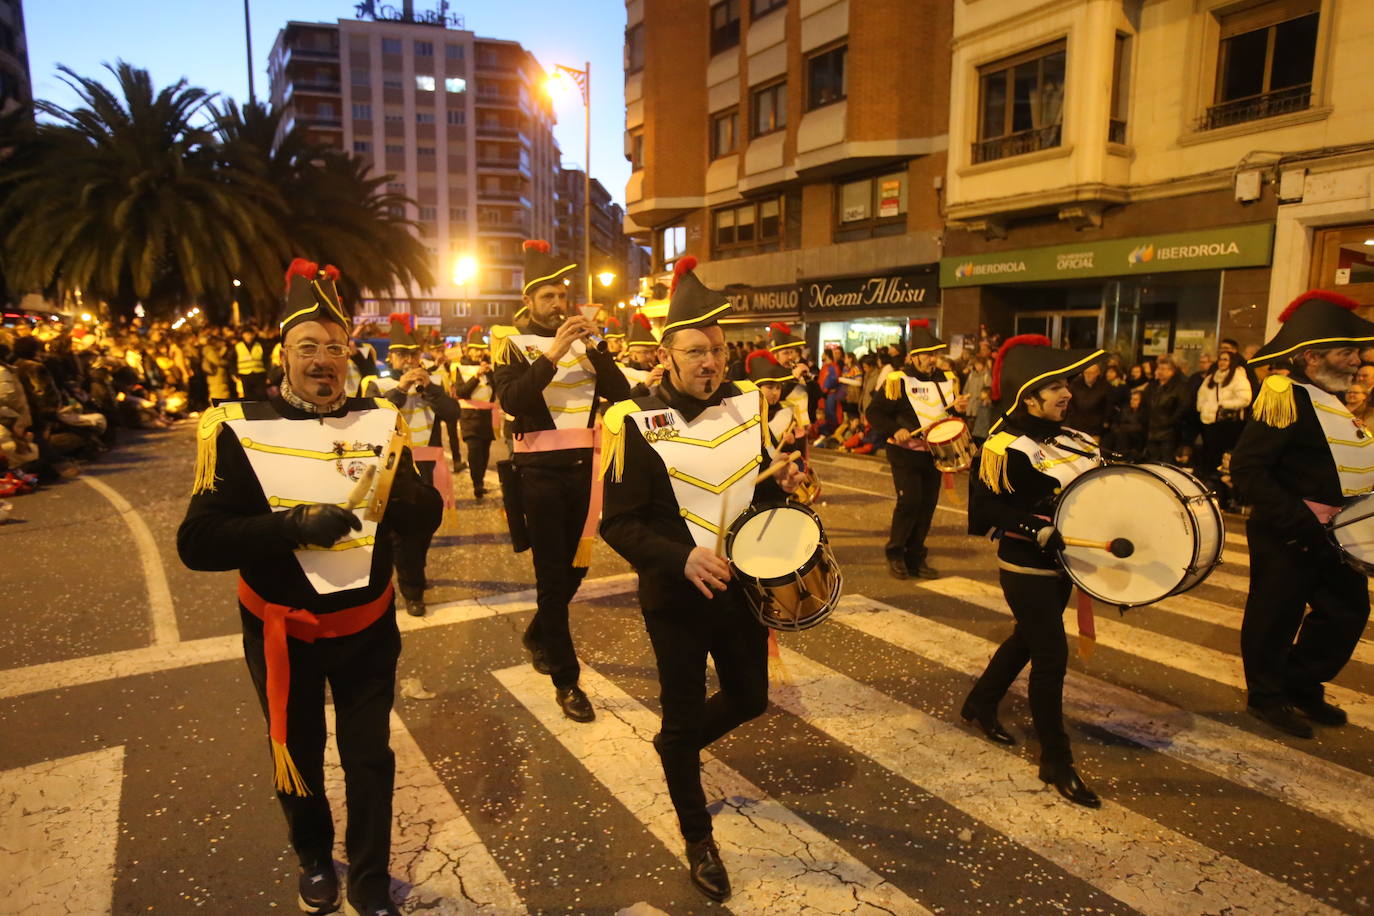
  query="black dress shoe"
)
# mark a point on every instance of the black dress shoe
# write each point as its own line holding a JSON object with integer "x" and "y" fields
{"x": 415, "y": 607}
{"x": 479, "y": 494}
{"x": 1284, "y": 718}
{"x": 575, "y": 704}
{"x": 319, "y": 889}
{"x": 1322, "y": 712}
{"x": 707, "y": 870}
{"x": 987, "y": 721}
{"x": 538, "y": 658}
{"x": 898, "y": 569}
{"x": 1065, "y": 779}
{"x": 926, "y": 571}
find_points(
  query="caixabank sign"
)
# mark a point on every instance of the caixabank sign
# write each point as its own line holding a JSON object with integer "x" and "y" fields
{"x": 1210, "y": 249}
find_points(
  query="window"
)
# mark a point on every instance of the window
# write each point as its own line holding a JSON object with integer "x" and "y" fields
{"x": 724, "y": 127}
{"x": 634, "y": 48}
{"x": 395, "y": 187}
{"x": 825, "y": 77}
{"x": 391, "y": 46}
{"x": 392, "y": 84}
{"x": 761, "y": 7}
{"x": 1264, "y": 62}
{"x": 636, "y": 151}
{"x": 424, "y": 82}
{"x": 456, "y": 117}
{"x": 746, "y": 228}
{"x": 458, "y": 214}
{"x": 396, "y": 211}
{"x": 362, "y": 112}
{"x": 424, "y": 151}
{"x": 1021, "y": 104}
{"x": 359, "y": 76}
{"x": 429, "y": 214}
{"x": 424, "y": 117}
{"x": 495, "y": 309}
{"x": 455, "y": 84}
{"x": 672, "y": 242}
{"x": 393, "y": 115}
{"x": 871, "y": 207}
{"x": 769, "y": 106}
{"x": 395, "y": 149}
{"x": 429, "y": 307}
{"x": 460, "y": 309}
{"x": 362, "y": 146}
{"x": 424, "y": 49}
{"x": 1121, "y": 95}
{"x": 724, "y": 25}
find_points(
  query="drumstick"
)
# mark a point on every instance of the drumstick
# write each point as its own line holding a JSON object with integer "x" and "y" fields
{"x": 720, "y": 529}
{"x": 777, "y": 465}
{"x": 359, "y": 493}
{"x": 1117, "y": 547}
{"x": 1350, "y": 521}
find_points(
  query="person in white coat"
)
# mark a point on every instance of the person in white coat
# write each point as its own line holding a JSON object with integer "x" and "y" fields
{"x": 1223, "y": 400}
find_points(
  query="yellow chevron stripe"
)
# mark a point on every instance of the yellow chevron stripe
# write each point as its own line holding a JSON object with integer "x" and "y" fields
{"x": 345, "y": 545}
{"x": 275, "y": 501}
{"x": 1353, "y": 443}
{"x": 723, "y": 437}
{"x": 693, "y": 517}
{"x": 716, "y": 488}
{"x": 586, "y": 409}
{"x": 1340, "y": 412}
{"x": 304, "y": 452}
{"x": 1341, "y": 467}
{"x": 581, "y": 383}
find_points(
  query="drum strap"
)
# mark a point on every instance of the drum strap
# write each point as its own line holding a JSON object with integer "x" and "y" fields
{"x": 1027, "y": 570}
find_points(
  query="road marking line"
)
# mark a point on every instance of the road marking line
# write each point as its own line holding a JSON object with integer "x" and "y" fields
{"x": 94, "y": 669}
{"x": 438, "y": 862}
{"x": 778, "y": 863}
{"x": 1223, "y": 615}
{"x": 164, "y": 615}
{"x": 60, "y": 823}
{"x": 1123, "y": 854}
{"x": 825, "y": 484}
{"x": 1155, "y": 647}
{"x": 1341, "y": 795}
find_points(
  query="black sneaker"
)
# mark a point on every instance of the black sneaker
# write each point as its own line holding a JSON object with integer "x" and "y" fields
{"x": 1284, "y": 718}
{"x": 1322, "y": 712}
{"x": 319, "y": 889}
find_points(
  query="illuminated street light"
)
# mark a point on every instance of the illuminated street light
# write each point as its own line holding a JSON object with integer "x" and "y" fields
{"x": 607, "y": 277}
{"x": 238, "y": 282}
{"x": 464, "y": 269}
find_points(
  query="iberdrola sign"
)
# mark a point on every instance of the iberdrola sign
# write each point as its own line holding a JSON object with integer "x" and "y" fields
{"x": 1209, "y": 249}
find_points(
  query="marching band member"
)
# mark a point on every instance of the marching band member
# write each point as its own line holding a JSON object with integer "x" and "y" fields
{"x": 273, "y": 480}
{"x": 769, "y": 376}
{"x": 480, "y": 415}
{"x": 419, "y": 395}
{"x": 910, "y": 400}
{"x": 682, "y": 464}
{"x": 786, "y": 348}
{"x": 614, "y": 335}
{"x": 1300, "y": 457}
{"x": 550, "y": 381}
{"x": 640, "y": 359}
{"x": 1029, "y": 458}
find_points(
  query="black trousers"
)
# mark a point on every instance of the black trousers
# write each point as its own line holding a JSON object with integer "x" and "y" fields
{"x": 918, "y": 491}
{"x": 1289, "y": 656}
{"x": 361, "y": 673}
{"x": 1037, "y": 603}
{"x": 555, "y": 501}
{"x": 479, "y": 451}
{"x": 682, "y": 639}
{"x": 411, "y": 551}
{"x": 454, "y": 442}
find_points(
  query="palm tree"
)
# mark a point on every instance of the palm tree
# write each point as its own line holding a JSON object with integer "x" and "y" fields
{"x": 128, "y": 199}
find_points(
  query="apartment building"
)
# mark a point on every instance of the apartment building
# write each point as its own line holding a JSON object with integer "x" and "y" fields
{"x": 16, "y": 87}
{"x": 797, "y": 149}
{"x": 463, "y": 125}
{"x": 1117, "y": 168}
{"x": 613, "y": 254}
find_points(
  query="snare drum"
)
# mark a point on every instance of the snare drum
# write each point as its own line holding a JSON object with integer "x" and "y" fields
{"x": 785, "y": 566}
{"x": 1167, "y": 513}
{"x": 950, "y": 444}
{"x": 1352, "y": 529}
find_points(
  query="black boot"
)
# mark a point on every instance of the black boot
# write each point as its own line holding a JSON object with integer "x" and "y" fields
{"x": 707, "y": 870}
{"x": 1322, "y": 712}
{"x": 1284, "y": 718}
{"x": 986, "y": 719}
{"x": 1063, "y": 777}
{"x": 897, "y": 567}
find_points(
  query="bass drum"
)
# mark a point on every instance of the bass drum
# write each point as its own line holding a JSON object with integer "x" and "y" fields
{"x": 785, "y": 566}
{"x": 1167, "y": 513}
{"x": 1353, "y": 531}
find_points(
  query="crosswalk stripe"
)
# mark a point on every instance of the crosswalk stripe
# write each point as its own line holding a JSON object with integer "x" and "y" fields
{"x": 1239, "y": 579}
{"x": 1154, "y": 647}
{"x": 60, "y": 823}
{"x": 1224, "y": 615}
{"x": 1123, "y": 854}
{"x": 1331, "y": 791}
{"x": 778, "y": 863}
{"x": 438, "y": 862}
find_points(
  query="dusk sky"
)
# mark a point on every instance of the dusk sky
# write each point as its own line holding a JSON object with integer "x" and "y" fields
{"x": 202, "y": 40}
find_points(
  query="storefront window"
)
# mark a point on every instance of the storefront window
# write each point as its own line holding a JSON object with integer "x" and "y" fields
{"x": 1343, "y": 260}
{"x": 863, "y": 335}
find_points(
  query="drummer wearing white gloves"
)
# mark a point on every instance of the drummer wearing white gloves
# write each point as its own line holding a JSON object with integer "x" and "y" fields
{"x": 682, "y": 464}
{"x": 1027, "y": 460}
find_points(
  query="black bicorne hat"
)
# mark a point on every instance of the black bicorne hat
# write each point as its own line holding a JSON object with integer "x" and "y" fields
{"x": 641, "y": 332}
{"x": 922, "y": 341}
{"x": 477, "y": 338}
{"x": 1027, "y": 363}
{"x": 312, "y": 296}
{"x": 1316, "y": 320}
{"x": 763, "y": 366}
{"x": 691, "y": 303}
{"x": 402, "y": 336}
{"x": 780, "y": 337}
{"x": 542, "y": 268}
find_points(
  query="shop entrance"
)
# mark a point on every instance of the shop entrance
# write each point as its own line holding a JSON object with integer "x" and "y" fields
{"x": 1075, "y": 329}
{"x": 1343, "y": 260}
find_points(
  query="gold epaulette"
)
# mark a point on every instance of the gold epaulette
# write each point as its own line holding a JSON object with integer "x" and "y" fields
{"x": 893, "y": 384}
{"x": 992, "y": 462}
{"x": 613, "y": 438}
{"x": 207, "y": 443}
{"x": 500, "y": 345}
{"x": 1275, "y": 406}
{"x": 385, "y": 404}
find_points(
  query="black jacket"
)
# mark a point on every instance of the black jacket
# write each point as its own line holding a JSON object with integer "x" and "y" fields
{"x": 1167, "y": 407}
{"x": 1088, "y": 409}
{"x": 474, "y": 424}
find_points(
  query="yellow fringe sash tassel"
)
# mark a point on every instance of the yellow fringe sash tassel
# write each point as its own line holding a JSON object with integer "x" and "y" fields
{"x": 1275, "y": 406}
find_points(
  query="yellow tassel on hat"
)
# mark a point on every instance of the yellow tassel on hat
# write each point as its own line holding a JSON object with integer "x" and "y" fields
{"x": 894, "y": 384}
{"x": 207, "y": 444}
{"x": 285, "y": 776}
{"x": 992, "y": 463}
{"x": 1275, "y": 406}
{"x": 583, "y": 557}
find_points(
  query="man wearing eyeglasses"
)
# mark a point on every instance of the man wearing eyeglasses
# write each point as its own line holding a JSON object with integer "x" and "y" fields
{"x": 277, "y": 497}
{"x": 681, "y": 465}
{"x": 549, "y": 379}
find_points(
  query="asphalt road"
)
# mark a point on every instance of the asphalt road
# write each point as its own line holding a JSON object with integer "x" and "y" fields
{"x": 134, "y": 777}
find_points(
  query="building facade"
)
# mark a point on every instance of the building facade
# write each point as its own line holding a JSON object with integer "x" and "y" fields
{"x": 796, "y": 148}
{"x": 617, "y": 261}
{"x": 1117, "y": 169}
{"x": 16, "y": 86}
{"x": 462, "y": 124}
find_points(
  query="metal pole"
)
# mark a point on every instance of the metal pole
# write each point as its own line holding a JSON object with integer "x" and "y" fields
{"x": 587, "y": 185}
{"x": 248, "y": 36}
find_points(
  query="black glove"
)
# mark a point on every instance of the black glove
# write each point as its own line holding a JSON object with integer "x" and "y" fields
{"x": 319, "y": 524}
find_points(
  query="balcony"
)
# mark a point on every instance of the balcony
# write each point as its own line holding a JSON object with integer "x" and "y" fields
{"x": 492, "y": 99}
{"x": 1257, "y": 107}
{"x": 1025, "y": 141}
{"x": 311, "y": 87}
{"x": 305, "y": 53}
{"x": 505, "y": 194}
{"x": 500, "y": 163}
{"x": 311, "y": 123}
{"x": 498, "y": 131}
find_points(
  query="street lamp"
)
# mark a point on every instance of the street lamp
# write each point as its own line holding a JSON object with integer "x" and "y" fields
{"x": 607, "y": 277}
{"x": 464, "y": 269}
{"x": 560, "y": 81}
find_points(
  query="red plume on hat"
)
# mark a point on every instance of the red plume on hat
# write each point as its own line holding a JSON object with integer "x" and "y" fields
{"x": 781, "y": 327}
{"x": 300, "y": 267}
{"x": 642, "y": 320}
{"x": 918, "y": 323}
{"x": 1344, "y": 302}
{"x": 535, "y": 245}
{"x": 1021, "y": 340}
{"x": 684, "y": 264}
{"x": 764, "y": 354}
{"x": 404, "y": 318}
{"x": 331, "y": 272}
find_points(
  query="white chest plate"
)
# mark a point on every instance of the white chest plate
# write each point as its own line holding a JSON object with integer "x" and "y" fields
{"x": 419, "y": 415}
{"x": 306, "y": 461}
{"x": 572, "y": 392}
{"x": 1352, "y": 447}
{"x": 483, "y": 390}
{"x": 711, "y": 461}
{"x": 634, "y": 376}
{"x": 928, "y": 399}
{"x": 779, "y": 424}
{"x": 1059, "y": 463}
{"x": 799, "y": 403}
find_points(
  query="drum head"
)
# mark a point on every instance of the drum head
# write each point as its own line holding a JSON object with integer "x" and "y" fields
{"x": 1126, "y": 501}
{"x": 1355, "y": 536}
{"x": 945, "y": 430}
{"x": 774, "y": 542}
